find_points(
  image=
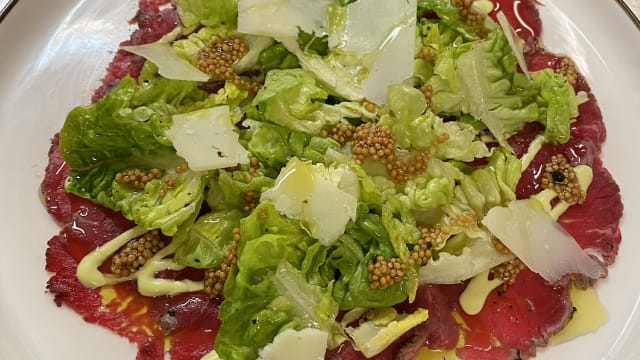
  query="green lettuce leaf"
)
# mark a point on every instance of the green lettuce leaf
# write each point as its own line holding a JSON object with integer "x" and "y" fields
{"x": 204, "y": 244}
{"x": 558, "y": 105}
{"x": 414, "y": 128}
{"x": 189, "y": 47}
{"x": 449, "y": 27}
{"x": 226, "y": 191}
{"x": 273, "y": 145}
{"x": 311, "y": 303}
{"x": 292, "y": 98}
{"x": 126, "y": 130}
{"x": 370, "y": 233}
{"x": 470, "y": 251}
{"x": 426, "y": 194}
{"x": 255, "y": 310}
{"x": 207, "y": 13}
{"x": 481, "y": 79}
{"x": 341, "y": 72}
{"x": 128, "y": 123}
{"x": 155, "y": 207}
{"x": 484, "y": 82}
{"x": 277, "y": 56}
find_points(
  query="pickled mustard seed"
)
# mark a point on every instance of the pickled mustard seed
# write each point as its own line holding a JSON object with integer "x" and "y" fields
{"x": 217, "y": 58}
{"x": 427, "y": 91}
{"x": 508, "y": 271}
{"x": 138, "y": 178}
{"x": 384, "y": 273}
{"x": 568, "y": 68}
{"x": 375, "y": 142}
{"x": 341, "y": 133}
{"x": 136, "y": 253}
{"x": 472, "y": 18}
{"x": 214, "y": 279}
{"x": 560, "y": 177}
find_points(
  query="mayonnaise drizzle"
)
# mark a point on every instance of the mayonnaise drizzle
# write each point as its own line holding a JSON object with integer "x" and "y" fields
{"x": 475, "y": 294}
{"x": 87, "y": 271}
{"x": 148, "y": 285}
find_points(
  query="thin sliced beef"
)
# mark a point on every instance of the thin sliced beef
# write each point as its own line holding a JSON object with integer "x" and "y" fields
{"x": 153, "y": 23}
{"x": 595, "y": 223}
{"x": 140, "y": 319}
{"x": 440, "y": 331}
{"x": 516, "y": 318}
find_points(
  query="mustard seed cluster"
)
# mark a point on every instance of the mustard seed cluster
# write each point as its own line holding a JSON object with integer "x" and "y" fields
{"x": 560, "y": 177}
{"x": 384, "y": 273}
{"x": 214, "y": 279}
{"x": 464, "y": 221}
{"x": 170, "y": 182}
{"x": 427, "y": 53}
{"x": 435, "y": 236}
{"x": 427, "y": 91}
{"x": 471, "y": 18}
{"x": 568, "y": 68}
{"x": 138, "y": 178}
{"x": 498, "y": 245}
{"x": 422, "y": 251}
{"x": 184, "y": 167}
{"x": 401, "y": 170}
{"x": 370, "y": 106}
{"x": 254, "y": 169}
{"x": 136, "y": 253}
{"x": 251, "y": 199}
{"x": 341, "y": 133}
{"x": 375, "y": 141}
{"x": 217, "y": 58}
{"x": 507, "y": 271}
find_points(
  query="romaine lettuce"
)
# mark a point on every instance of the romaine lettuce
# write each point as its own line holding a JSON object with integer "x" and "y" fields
{"x": 127, "y": 130}
{"x": 293, "y": 99}
{"x": 481, "y": 79}
{"x": 558, "y": 105}
{"x": 259, "y": 296}
{"x": 413, "y": 127}
{"x": 273, "y": 145}
{"x": 207, "y": 13}
{"x": 204, "y": 243}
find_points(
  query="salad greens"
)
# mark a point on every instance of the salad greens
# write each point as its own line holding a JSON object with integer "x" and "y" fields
{"x": 313, "y": 217}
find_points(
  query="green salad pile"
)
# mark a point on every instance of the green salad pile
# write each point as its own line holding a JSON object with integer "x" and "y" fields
{"x": 314, "y": 217}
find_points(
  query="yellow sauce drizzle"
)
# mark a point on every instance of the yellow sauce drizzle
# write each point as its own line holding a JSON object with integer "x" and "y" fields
{"x": 532, "y": 151}
{"x": 107, "y": 294}
{"x": 428, "y": 354}
{"x": 475, "y": 294}
{"x": 89, "y": 274}
{"x": 589, "y": 316}
{"x": 150, "y": 285}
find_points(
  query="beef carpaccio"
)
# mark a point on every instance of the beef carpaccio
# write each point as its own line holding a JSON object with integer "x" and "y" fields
{"x": 519, "y": 315}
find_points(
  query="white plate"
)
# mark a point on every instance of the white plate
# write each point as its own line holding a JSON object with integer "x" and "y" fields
{"x": 54, "y": 52}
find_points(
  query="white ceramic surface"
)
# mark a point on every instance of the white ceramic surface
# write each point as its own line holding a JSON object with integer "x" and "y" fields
{"x": 54, "y": 52}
